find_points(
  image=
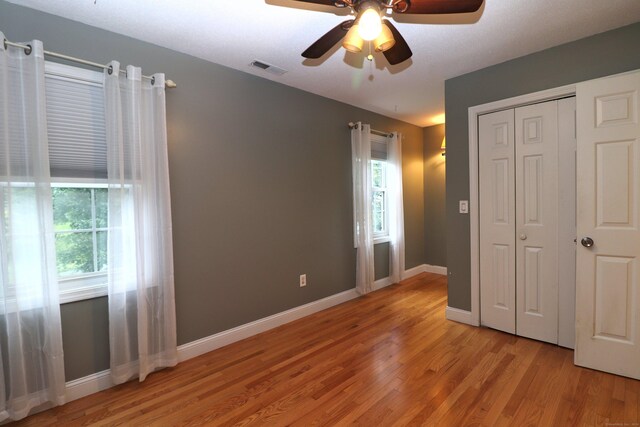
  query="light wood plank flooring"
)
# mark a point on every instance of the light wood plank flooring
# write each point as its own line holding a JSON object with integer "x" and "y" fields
{"x": 387, "y": 359}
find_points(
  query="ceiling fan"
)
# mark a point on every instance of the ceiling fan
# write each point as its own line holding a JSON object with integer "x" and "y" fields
{"x": 369, "y": 25}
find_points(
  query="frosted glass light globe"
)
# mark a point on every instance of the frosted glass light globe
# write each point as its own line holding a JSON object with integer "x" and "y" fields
{"x": 369, "y": 25}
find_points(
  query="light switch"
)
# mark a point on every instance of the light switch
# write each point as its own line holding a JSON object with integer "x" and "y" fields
{"x": 464, "y": 206}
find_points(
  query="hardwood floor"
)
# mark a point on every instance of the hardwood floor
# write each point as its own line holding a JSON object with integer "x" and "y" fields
{"x": 387, "y": 359}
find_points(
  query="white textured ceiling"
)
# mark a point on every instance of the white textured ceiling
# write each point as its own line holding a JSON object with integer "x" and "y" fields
{"x": 235, "y": 32}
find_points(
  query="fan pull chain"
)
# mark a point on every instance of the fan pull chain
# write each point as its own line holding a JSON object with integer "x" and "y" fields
{"x": 370, "y": 56}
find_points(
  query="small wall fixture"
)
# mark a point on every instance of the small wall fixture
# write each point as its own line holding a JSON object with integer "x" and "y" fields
{"x": 443, "y": 147}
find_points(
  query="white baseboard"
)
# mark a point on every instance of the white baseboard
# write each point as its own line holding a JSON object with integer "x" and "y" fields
{"x": 413, "y": 271}
{"x": 462, "y": 316}
{"x": 210, "y": 343}
{"x": 88, "y": 385}
{"x": 102, "y": 380}
{"x": 436, "y": 269}
{"x": 424, "y": 268}
{"x": 99, "y": 381}
{"x": 382, "y": 283}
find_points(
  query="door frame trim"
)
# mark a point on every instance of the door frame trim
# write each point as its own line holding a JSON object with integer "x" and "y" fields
{"x": 474, "y": 216}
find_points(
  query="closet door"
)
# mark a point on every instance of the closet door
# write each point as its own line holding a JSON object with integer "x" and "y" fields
{"x": 567, "y": 222}
{"x": 536, "y": 164}
{"x": 497, "y": 221}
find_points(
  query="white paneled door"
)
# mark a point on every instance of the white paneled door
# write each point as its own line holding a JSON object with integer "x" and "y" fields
{"x": 608, "y": 189}
{"x": 497, "y": 220}
{"x": 520, "y": 212}
{"x": 536, "y": 146}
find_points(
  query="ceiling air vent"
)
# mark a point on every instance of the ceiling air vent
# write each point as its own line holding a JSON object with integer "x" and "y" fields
{"x": 268, "y": 67}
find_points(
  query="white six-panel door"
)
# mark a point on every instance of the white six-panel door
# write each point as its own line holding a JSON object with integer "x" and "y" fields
{"x": 536, "y": 145}
{"x": 608, "y": 190}
{"x": 497, "y": 220}
{"x": 525, "y": 257}
{"x": 520, "y": 212}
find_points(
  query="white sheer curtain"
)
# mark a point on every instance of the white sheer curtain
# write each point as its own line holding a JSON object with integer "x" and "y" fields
{"x": 396, "y": 208}
{"x": 31, "y": 356}
{"x": 142, "y": 324}
{"x": 363, "y": 232}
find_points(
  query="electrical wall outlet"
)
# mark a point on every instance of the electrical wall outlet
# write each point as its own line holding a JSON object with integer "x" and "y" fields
{"x": 303, "y": 280}
{"x": 463, "y": 206}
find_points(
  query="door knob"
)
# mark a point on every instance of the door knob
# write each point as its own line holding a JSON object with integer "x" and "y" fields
{"x": 587, "y": 242}
{"x": 523, "y": 236}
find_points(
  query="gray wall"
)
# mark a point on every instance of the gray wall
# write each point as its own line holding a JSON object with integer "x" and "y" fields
{"x": 435, "y": 249}
{"x": 260, "y": 183}
{"x": 413, "y": 193}
{"x": 381, "y": 260}
{"x": 600, "y": 55}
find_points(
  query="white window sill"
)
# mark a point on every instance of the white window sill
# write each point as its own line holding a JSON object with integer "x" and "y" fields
{"x": 87, "y": 292}
{"x": 381, "y": 239}
{"x": 82, "y": 288}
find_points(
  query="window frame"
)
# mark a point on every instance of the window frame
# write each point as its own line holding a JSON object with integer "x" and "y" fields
{"x": 86, "y": 285}
{"x": 89, "y": 285}
{"x": 57, "y": 70}
{"x": 382, "y": 236}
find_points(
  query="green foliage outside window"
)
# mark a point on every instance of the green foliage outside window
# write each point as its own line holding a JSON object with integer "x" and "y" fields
{"x": 378, "y": 211}
{"x": 377, "y": 169}
{"x": 80, "y": 221}
{"x": 379, "y": 183}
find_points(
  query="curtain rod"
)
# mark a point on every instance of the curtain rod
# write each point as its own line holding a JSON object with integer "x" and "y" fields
{"x": 169, "y": 84}
{"x": 373, "y": 131}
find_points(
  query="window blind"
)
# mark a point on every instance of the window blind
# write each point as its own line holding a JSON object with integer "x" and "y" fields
{"x": 76, "y": 127}
{"x": 379, "y": 148}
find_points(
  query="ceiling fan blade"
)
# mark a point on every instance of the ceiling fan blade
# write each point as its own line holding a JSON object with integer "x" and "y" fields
{"x": 442, "y": 6}
{"x": 326, "y": 42}
{"x": 400, "y": 51}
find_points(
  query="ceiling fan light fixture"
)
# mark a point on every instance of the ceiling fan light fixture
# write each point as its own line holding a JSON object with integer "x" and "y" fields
{"x": 369, "y": 24}
{"x": 352, "y": 41}
{"x": 385, "y": 40}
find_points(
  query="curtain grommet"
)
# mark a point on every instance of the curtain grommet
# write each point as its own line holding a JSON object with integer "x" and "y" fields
{"x": 28, "y": 50}
{"x": 153, "y": 80}
{"x": 4, "y": 42}
{"x": 110, "y": 69}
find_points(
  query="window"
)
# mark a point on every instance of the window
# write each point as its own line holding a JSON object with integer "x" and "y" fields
{"x": 78, "y": 161}
{"x": 80, "y": 227}
{"x": 379, "y": 191}
{"x": 379, "y": 198}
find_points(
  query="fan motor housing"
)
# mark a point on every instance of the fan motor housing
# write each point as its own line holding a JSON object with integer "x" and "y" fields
{"x": 398, "y": 6}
